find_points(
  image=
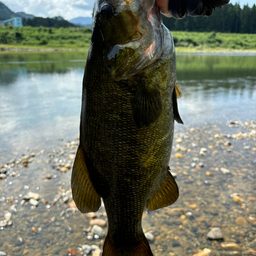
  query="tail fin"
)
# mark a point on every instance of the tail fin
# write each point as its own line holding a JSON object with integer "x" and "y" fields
{"x": 142, "y": 249}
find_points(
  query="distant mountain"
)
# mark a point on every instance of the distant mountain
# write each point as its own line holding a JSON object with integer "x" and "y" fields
{"x": 82, "y": 21}
{"x": 25, "y": 16}
{"x": 5, "y": 12}
{"x": 59, "y": 18}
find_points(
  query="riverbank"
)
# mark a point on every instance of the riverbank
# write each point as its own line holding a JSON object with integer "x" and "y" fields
{"x": 78, "y": 39}
{"x": 214, "y": 168}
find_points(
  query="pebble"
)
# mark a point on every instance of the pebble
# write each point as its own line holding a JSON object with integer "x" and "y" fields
{"x": 63, "y": 169}
{"x": 252, "y": 220}
{"x": 86, "y": 249}
{"x": 230, "y": 246}
{"x": 3, "y": 223}
{"x": 48, "y": 176}
{"x": 204, "y": 252}
{"x": 72, "y": 251}
{"x": 178, "y": 155}
{"x": 7, "y": 216}
{"x": 150, "y": 237}
{"x": 71, "y": 156}
{"x": 179, "y": 140}
{"x": 215, "y": 234}
{"x": 192, "y": 129}
{"x": 33, "y": 195}
{"x": 237, "y": 199}
{"x": 2, "y": 253}
{"x": 91, "y": 215}
{"x": 96, "y": 230}
{"x": 33, "y": 202}
{"x": 2, "y": 176}
{"x": 97, "y": 252}
{"x": 98, "y": 222}
{"x": 175, "y": 211}
{"x": 241, "y": 221}
{"x": 225, "y": 171}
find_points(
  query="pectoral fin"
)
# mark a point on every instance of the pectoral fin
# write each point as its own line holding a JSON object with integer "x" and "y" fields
{"x": 84, "y": 194}
{"x": 146, "y": 106}
{"x": 175, "y": 106}
{"x": 166, "y": 195}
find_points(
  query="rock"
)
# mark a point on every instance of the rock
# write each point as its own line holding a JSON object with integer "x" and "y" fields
{"x": 3, "y": 223}
{"x": 2, "y": 253}
{"x": 72, "y": 251}
{"x": 96, "y": 230}
{"x": 48, "y": 176}
{"x": 252, "y": 220}
{"x": 95, "y": 247}
{"x": 149, "y": 237}
{"x": 215, "y": 234}
{"x": 225, "y": 171}
{"x": 175, "y": 211}
{"x": 33, "y": 202}
{"x": 193, "y": 206}
{"x": 251, "y": 198}
{"x": 63, "y": 169}
{"x": 204, "y": 252}
{"x": 3, "y": 170}
{"x": 237, "y": 199}
{"x": 230, "y": 246}
{"x": 174, "y": 174}
{"x": 68, "y": 165}
{"x": 2, "y": 176}
{"x": 71, "y": 156}
{"x": 7, "y": 216}
{"x": 192, "y": 129}
{"x": 179, "y": 140}
{"x": 98, "y": 222}
{"x": 33, "y": 195}
{"x": 241, "y": 221}
{"x": 97, "y": 252}
{"x": 178, "y": 155}
{"x": 201, "y": 165}
{"x": 86, "y": 249}
{"x": 91, "y": 215}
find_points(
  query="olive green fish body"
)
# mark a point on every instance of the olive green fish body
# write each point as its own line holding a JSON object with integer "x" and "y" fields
{"x": 126, "y": 134}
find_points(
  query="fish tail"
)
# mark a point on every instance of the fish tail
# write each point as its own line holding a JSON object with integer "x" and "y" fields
{"x": 141, "y": 249}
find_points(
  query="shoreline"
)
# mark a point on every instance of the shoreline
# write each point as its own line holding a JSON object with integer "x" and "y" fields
{"x": 10, "y": 49}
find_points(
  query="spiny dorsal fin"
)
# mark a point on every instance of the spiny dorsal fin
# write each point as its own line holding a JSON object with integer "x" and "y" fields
{"x": 84, "y": 194}
{"x": 141, "y": 249}
{"x": 175, "y": 107}
{"x": 146, "y": 106}
{"x": 166, "y": 195}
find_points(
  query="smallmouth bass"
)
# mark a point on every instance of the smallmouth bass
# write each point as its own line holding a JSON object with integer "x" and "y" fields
{"x": 129, "y": 105}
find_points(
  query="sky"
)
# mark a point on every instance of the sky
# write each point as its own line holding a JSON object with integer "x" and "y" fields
{"x": 68, "y": 9}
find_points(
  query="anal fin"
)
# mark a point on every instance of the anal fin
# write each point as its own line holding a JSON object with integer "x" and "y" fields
{"x": 166, "y": 195}
{"x": 83, "y": 191}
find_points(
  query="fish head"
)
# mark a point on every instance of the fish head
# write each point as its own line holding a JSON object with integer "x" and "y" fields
{"x": 130, "y": 33}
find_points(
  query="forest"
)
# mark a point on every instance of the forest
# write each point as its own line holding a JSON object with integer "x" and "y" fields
{"x": 228, "y": 19}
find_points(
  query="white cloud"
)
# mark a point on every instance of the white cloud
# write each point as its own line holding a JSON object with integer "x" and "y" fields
{"x": 68, "y": 9}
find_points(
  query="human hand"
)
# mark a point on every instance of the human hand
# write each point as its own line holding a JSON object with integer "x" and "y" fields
{"x": 163, "y": 5}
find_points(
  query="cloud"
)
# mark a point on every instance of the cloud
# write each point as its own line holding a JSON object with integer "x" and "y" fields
{"x": 68, "y": 9}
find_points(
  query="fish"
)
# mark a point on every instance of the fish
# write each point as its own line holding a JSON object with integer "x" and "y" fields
{"x": 129, "y": 105}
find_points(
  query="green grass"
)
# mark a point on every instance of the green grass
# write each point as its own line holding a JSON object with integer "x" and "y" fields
{"x": 79, "y": 39}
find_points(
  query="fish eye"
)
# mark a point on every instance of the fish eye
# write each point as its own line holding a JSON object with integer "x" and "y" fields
{"x": 106, "y": 11}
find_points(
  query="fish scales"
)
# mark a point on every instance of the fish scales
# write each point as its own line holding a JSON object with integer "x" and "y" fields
{"x": 126, "y": 133}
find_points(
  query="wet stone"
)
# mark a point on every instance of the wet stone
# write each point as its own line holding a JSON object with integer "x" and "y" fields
{"x": 241, "y": 221}
{"x": 3, "y": 171}
{"x": 215, "y": 234}
{"x": 33, "y": 195}
{"x": 96, "y": 230}
{"x": 237, "y": 199}
{"x": 33, "y": 202}
{"x": 7, "y": 216}
{"x": 86, "y": 248}
{"x": 91, "y": 215}
{"x": 2, "y": 176}
{"x": 149, "y": 237}
{"x": 252, "y": 220}
{"x": 3, "y": 223}
{"x": 98, "y": 222}
{"x": 225, "y": 171}
{"x": 2, "y": 253}
{"x": 204, "y": 252}
{"x": 97, "y": 252}
{"x": 230, "y": 246}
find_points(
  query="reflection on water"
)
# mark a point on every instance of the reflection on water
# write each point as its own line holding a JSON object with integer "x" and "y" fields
{"x": 40, "y": 97}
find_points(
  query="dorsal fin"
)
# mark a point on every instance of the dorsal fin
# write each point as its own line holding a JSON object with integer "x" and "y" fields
{"x": 175, "y": 107}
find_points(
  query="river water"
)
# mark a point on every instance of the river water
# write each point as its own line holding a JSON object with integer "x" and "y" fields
{"x": 40, "y": 100}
